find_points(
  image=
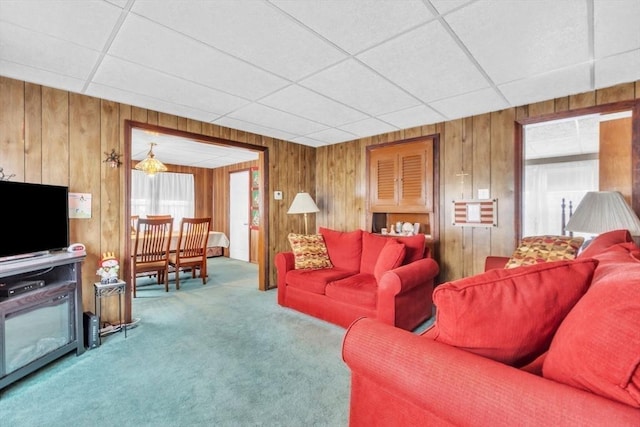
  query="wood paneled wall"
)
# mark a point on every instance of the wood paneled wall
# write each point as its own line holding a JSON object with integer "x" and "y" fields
{"x": 52, "y": 136}
{"x": 482, "y": 146}
{"x": 57, "y": 137}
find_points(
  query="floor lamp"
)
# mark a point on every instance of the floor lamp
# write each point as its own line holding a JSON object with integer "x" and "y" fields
{"x": 303, "y": 204}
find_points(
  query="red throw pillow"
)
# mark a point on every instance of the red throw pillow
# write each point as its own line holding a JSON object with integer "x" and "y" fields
{"x": 414, "y": 245}
{"x": 344, "y": 247}
{"x": 372, "y": 245}
{"x": 605, "y": 240}
{"x": 597, "y": 346}
{"x": 509, "y": 315}
{"x": 390, "y": 257}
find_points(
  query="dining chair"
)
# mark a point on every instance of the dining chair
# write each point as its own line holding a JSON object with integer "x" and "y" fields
{"x": 191, "y": 251}
{"x": 134, "y": 222}
{"x": 151, "y": 249}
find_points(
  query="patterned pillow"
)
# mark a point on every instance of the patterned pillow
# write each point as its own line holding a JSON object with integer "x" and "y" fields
{"x": 309, "y": 251}
{"x": 535, "y": 249}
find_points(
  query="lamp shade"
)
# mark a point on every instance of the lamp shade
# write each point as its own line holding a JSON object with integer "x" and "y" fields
{"x": 151, "y": 165}
{"x": 602, "y": 211}
{"x": 302, "y": 204}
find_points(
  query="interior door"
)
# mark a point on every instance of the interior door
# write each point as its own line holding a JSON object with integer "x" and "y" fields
{"x": 239, "y": 206}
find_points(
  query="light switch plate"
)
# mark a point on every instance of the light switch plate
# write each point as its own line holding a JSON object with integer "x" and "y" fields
{"x": 277, "y": 195}
{"x": 483, "y": 193}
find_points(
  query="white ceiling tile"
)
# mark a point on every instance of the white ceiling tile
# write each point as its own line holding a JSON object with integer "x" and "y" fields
{"x": 444, "y": 6}
{"x": 427, "y": 63}
{"x": 142, "y": 101}
{"x": 354, "y": 84}
{"x": 283, "y": 68}
{"x": 155, "y": 46}
{"x": 415, "y": 116}
{"x": 251, "y": 30}
{"x": 86, "y": 23}
{"x": 312, "y": 106}
{"x": 269, "y": 117}
{"x": 617, "y": 69}
{"x": 46, "y": 53}
{"x": 39, "y": 76}
{"x": 617, "y": 26}
{"x": 332, "y": 136}
{"x": 368, "y": 127}
{"x": 470, "y": 104}
{"x": 358, "y": 25}
{"x": 253, "y": 128}
{"x": 551, "y": 85}
{"x": 515, "y": 39}
{"x": 145, "y": 81}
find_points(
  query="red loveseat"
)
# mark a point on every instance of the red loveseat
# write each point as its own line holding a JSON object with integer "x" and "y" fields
{"x": 575, "y": 363}
{"x": 385, "y": 278}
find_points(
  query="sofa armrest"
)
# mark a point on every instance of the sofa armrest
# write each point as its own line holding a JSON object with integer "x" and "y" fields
{"x": 495, "y": 262}
{"x": 284, "y": 262}
{"x": 458, "y": 387}
{"x": 407, "y": 277}
{"x": 405, "y": 294}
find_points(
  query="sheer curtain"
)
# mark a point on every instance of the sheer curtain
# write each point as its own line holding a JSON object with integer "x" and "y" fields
{"x": 545, "y": 187}
{"x": 165, "y": 193}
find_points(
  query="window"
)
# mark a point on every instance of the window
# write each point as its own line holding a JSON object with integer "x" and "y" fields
{"x": 165, "y": 193}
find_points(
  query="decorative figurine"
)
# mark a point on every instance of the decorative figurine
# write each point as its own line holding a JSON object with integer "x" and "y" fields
{"x": 109, "y": 268}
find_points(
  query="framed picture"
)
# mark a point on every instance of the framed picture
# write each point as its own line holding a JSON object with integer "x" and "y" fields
{"x": 475, "y": 213}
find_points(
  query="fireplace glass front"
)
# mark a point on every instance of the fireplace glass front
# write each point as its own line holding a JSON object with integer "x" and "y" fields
{"x": 33, "y": 332}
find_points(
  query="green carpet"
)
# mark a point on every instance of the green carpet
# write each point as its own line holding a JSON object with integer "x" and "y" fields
{"x": 222, "y": 354}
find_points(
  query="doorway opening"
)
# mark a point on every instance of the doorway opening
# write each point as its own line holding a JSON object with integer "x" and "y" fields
{"x": 561, "y": 157}
{"x": 208, "y": 182}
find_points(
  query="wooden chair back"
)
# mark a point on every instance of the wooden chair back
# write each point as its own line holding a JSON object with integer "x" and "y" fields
{"x": 151, "y": 248}
{"x": 192, "y": 247}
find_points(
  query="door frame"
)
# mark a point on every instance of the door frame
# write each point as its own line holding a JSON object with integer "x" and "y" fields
{"x": 633, "y": 106}
{"x": 263, "y": 162}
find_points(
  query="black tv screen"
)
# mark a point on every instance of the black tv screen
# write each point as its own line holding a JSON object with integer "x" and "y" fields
{"x": 35, "y": 219}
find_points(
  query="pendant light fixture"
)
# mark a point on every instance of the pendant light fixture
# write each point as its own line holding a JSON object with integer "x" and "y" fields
{"x": 151, "y": 165}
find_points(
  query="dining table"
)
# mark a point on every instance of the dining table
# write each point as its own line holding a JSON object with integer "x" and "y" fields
{"x": 217, "y": 239}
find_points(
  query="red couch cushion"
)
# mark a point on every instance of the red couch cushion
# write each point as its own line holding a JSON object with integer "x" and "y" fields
{"x": 509, "y": 315}
{"x": 391, "y": 256}
{"x": 597, "y": 346}
{"x": 344, "y": 247}
{"x": 360, "y": 289}
{"x": 314, "y": 280}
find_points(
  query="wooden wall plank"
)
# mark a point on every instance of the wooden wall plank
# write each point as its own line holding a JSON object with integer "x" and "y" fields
{"x": 55, "y": 131}
{"x": 33, "y": 133}
{"x": 12, "y": 146}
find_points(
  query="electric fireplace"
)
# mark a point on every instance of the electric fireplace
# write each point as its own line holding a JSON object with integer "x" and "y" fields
{"x": 41, "y": 323}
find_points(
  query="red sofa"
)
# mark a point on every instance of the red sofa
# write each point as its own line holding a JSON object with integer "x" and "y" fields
{"x": 368, "y": 278}
{"x": 579, "y": 368}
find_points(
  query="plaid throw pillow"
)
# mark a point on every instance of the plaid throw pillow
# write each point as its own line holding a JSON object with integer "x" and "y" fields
{"x": 535, "y": 249}
{"x": 309, "y": 251}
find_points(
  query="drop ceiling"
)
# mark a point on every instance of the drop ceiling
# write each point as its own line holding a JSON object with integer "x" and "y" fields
{"x": 322, "y": 72}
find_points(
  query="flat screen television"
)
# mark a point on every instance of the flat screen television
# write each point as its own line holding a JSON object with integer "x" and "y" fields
{"x": 35, "y": 219}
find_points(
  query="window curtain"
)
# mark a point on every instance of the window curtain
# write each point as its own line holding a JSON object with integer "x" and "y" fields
{"x": 166, "y": 193}
{"x": 545, "y": 187}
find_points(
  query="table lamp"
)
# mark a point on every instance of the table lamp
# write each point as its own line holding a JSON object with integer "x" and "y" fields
{"x": 602, "y": 211}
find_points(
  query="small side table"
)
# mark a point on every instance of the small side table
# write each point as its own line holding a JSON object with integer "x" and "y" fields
{"x": 104, "y": 290}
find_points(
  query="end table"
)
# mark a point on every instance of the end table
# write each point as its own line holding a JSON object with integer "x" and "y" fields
{"x": 104, "y": 290}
